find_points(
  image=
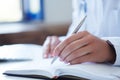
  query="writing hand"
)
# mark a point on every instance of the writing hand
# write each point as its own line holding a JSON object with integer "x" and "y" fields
{"x": 84, "y": 47}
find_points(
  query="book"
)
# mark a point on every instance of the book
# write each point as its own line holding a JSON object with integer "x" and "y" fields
{"x": 84, "y": 71}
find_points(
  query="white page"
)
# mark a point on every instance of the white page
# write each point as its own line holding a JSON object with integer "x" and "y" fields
{"x": 117, "y": 74}
{"x": 91, "y": 71}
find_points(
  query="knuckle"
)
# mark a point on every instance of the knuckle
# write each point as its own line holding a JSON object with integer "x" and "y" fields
{"x": 57, "y": 50}
{"x": 91, "y": 38}
{"x": 69, "y": 48}
{"x": 54, "y": 37}
{"x": 67, "y": 41}
{"x": 83, "y": 33}
{"x": 86, "y": 33}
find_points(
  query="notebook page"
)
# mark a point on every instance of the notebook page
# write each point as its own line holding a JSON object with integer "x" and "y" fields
{"x": 116, "y": 74}
{"x": 45, "y": 64}
{"x": 90, "y": 71}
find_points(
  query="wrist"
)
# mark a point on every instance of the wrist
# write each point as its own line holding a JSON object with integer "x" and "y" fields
{"x": 112, "y": 52}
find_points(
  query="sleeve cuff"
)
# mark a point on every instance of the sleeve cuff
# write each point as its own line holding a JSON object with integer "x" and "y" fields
{"x": 116, "y": 42}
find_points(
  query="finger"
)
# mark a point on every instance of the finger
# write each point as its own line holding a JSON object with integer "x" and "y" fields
{"x": 75, "y": 46}
{"x": 78, "y": 53}
{"x": 66, "y": 42}
{"x": 54, "y": 42}
{"x": 82, "y": 59}
{"x": 46, "y": 47}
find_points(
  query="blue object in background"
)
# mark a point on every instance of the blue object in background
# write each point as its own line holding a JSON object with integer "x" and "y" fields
{"x": 33, "y": 10}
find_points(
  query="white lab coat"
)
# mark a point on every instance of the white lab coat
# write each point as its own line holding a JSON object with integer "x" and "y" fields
{"x": 103, "y": 20}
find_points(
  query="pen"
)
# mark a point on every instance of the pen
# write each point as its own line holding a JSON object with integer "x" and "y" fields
{"x": 75, "y": 31}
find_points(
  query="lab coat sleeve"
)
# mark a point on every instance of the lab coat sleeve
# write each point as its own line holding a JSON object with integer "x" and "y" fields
{"x": 116, "y": 43}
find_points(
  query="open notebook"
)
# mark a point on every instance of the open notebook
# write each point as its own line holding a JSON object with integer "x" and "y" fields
{"x": 60, "y": 70}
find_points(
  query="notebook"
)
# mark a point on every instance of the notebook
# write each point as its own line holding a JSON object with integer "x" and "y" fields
{"x": 85, "y": 71}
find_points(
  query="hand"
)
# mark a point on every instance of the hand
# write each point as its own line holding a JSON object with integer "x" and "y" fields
{"x": 50, "y": 43}
{"x": 84, "y": 47}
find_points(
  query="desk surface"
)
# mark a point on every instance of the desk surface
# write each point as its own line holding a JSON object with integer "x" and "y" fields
{"x": 28, "y": 51}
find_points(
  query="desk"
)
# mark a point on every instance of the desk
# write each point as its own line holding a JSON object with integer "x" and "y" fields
{"x": 30, "y": 33}
{"x": 20, "y": 51}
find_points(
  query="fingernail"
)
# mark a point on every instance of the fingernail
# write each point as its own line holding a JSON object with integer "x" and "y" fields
{"x": 50, "y": 56}
{"x": 65, "y": 62}
{"x": 54, "y": 54}
{"x": 61, "y": 59}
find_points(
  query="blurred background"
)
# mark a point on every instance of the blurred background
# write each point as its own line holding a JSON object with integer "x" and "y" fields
{"x": 31, "y": 21}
